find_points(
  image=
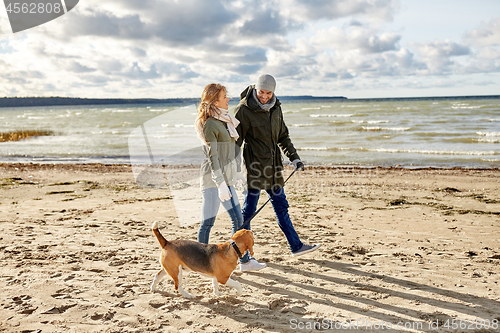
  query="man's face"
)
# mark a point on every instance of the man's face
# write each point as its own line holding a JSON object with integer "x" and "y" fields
{"x": 264, "y": 95}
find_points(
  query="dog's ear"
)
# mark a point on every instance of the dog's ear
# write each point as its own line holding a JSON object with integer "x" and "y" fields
{"x": 249, "y": 242}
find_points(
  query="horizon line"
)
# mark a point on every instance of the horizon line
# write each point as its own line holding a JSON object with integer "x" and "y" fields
{"x": 60, "y": 101}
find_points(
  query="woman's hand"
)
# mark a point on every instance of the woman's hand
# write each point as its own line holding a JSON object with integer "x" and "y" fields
{"x": 224, "y": 193}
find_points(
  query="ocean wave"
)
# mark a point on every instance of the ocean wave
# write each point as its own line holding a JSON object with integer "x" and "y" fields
{"x": 471, "y": 140}
{"x": 383, "y": 129}
{"x": 323, "y": 149}
{"x": 302, "y": 125}
{"x": 159, "y": 110}
{"x": 330, "y": 115}
{"x": 487, "y": 140}
{"x": 436, "y": 152}
{"x": 493, "y": 120}
{"x": 488, "y": 133}
{"x": 122, "y": 111}
{"x": 311, "y": 109}
{"x": 466, "y": 107}
{"x": 370, "y": 121}
{"x": 403, "y": 151}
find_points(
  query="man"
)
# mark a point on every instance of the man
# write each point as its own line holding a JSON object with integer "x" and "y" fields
{"x": 263, "y": 130}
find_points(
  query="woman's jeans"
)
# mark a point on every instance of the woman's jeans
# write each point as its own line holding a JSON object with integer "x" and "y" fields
{"x": 210, "y": 208}
{"x": 280, "y": 206}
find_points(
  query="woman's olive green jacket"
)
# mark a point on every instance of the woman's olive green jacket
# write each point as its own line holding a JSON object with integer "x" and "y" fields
{"x": 220, "y": 163}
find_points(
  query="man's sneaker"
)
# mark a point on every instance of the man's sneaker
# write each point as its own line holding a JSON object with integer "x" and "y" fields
{"x": 252, "y": 265}
{"x": 305, "y": 249}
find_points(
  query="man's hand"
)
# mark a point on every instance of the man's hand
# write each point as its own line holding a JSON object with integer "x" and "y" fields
{"x": 241, "y": 181}
{"x": 298, "y": 165}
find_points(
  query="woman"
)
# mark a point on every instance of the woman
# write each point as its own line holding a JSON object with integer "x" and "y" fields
{"x": 216, "y": 129}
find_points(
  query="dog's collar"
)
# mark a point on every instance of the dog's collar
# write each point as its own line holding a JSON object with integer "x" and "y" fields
{"x": 235, "y": 247}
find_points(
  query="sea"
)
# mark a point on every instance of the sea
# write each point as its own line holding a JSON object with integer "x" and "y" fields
{"x": 424, "y": 132}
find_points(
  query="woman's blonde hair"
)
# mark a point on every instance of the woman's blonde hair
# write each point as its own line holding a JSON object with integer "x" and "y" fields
{"x": 206, "y": 108}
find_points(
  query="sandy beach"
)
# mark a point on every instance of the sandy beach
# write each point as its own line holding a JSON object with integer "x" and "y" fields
{"x": 402, "y": 250}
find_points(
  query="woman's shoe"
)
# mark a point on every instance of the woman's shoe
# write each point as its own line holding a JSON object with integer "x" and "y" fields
{"x": 252, "y": 265}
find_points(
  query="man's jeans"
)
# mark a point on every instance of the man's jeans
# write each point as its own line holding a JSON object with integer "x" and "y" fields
{"x": 280, "y": 206}
{"x": 210, "y": 208}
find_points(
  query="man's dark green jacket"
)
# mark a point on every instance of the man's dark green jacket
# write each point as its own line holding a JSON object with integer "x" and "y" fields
{"x": 263, "y": 134}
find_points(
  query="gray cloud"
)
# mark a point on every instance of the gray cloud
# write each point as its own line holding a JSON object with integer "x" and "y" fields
{"x": 334, "y": 9}
{"x": 145, "y": 44}
{"x": 22, "y": 77}
{"x": 76, "y": 67}
{"x": 175, "y": 72}
{"x": 107, "y": 25}
{"x": 186, "y": 22}
{"x": 267, "y": 22}
{"x": 138, "y": 52}
{"x": 486, "y": 35}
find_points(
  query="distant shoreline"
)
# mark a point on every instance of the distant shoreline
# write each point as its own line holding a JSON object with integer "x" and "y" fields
{"x": 6, "y": 102}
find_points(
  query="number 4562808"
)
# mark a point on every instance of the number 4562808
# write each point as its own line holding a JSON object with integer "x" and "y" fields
{"x": 34, "y": 8}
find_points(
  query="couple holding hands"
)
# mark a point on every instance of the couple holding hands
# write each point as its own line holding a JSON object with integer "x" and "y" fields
{"x": 257, "y": 124}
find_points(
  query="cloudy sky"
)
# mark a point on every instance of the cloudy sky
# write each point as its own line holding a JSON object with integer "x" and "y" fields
{"x": 173, "y": 48}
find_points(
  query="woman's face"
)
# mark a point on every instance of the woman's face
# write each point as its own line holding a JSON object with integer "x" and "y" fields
{"x": 264, "y": 95}
{"x": 223, "y": 101}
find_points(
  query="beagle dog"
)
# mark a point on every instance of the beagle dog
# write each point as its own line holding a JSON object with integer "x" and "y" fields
{"x": 216, "y": 261}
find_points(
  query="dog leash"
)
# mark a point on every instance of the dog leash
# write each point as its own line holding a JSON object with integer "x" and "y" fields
{"x": 247, "y": 222}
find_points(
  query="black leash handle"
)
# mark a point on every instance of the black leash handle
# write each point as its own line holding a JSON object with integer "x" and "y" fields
{"x": 247, "y": 222}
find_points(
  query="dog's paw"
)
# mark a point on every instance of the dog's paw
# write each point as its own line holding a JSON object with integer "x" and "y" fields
{"x": 217, "y": 293}
{"x": 185, "y": 294}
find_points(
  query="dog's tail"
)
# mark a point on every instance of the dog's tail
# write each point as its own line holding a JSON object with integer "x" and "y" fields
{"x": 158, "y": 235}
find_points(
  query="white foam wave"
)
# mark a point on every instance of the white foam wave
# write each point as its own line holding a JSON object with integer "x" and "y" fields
{"x": 302, "y": 125}
{"x": 370, "y": 121}
{"x": 330, "y": 115}
{"x": 380, "y": 129}
{"x": 493, "y": 120}
{"x": 487, "y": 140}
{"x": 466, "y": 107}
{"x": 436, "y": 152}
{"x": 488, "y": 133}
{"x": 405, "y": 151}
{"x": 311, "y": 109}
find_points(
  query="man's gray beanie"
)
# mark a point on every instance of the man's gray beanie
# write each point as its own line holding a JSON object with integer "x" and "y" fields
{"x": 266, "y": 82}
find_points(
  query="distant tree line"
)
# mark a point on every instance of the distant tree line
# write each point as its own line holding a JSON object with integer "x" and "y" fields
{"x": 54, "y": 101}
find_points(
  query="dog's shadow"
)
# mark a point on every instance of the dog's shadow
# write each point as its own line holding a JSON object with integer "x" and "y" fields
{"x": 167, "y": 294}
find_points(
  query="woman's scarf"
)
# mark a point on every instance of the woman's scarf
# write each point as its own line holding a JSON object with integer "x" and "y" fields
{"x": 223, "y": 116}
{"x": 230, "y": 121}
